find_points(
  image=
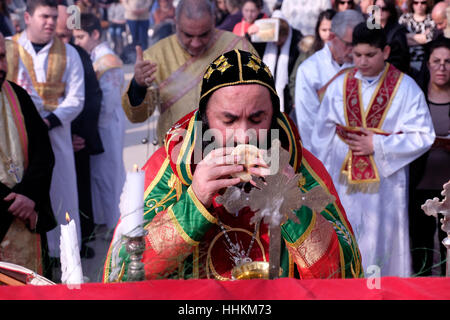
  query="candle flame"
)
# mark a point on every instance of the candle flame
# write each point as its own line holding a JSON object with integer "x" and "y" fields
{"x": 67, "y": 217}
{"x": 135, "y": 168}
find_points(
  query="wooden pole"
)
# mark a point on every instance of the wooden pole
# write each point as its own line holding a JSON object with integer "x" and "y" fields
{"x": 10, "y": 281}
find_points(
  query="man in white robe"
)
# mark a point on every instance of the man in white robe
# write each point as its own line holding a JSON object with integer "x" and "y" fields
{"x": 366, "y": 141}
{"x": 55, "y": 82}
{"x": 316, "y": 71}
{"x": 107, "y": 168}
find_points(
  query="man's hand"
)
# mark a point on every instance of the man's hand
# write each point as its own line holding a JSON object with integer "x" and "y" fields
{"x": 213, "y": 173}
{"x": 144, "y": 70}
{"x": 22, "y": 207}
{"x": 361, "y": 145}
{"x": 78, "y": 143}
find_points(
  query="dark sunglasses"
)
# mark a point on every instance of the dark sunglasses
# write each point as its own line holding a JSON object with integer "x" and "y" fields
{"x": 344, "y": 2}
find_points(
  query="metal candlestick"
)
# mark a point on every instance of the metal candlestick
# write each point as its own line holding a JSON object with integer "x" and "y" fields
{"x": 155, "y": 100}
{"x": 135, "y": 246}
{"x": 432, "y": 208}
{"x": 446, "y": 243}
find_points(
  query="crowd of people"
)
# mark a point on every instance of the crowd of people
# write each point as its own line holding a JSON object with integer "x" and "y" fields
{"x": 360, "y": 91}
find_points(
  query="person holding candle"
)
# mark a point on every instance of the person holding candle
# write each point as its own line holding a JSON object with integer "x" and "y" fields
{"x": 25, "y": 174}
{"x": 186, "y": 224}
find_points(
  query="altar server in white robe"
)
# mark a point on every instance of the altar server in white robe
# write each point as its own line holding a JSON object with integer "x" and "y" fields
{"x": 373, "y": 122}
{"x": 52, "y": 73}
{"x": 316, "y": 71}
{"x": 107, "y": 168}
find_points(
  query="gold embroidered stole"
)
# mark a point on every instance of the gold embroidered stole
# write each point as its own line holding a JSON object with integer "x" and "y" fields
{"x": 53, "y": 88}
{"x": 13, "y": 138}
{"x": 107, "y": 62}
{"x": 360, "y": 172}
{"x": 22, "y": 247}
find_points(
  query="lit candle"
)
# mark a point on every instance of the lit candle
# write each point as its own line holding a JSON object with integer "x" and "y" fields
{"x": 132, "y": 214}
{"x": 70, "y": 254}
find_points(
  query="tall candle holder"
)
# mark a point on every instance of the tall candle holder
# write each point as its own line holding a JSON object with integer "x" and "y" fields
{"x": 432, "y": 207}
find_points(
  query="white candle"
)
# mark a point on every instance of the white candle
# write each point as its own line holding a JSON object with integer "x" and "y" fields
{"x": 132, "y": 209}
{"x": 71, "y": 270}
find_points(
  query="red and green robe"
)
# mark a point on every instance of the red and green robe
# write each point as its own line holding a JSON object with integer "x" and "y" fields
{"x": 184, "y": 240}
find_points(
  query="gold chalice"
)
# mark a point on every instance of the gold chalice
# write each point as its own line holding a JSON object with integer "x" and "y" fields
{"x": 252, "y": 270}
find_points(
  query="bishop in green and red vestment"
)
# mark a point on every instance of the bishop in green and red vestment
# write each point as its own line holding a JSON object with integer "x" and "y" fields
{"x": 185, "y": 240}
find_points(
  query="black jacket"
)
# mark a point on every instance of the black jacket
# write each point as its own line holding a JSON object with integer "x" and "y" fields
{"x": 85, "y": 124}
{"x": 396, "y": 39}
{"x": 37, "y": 177}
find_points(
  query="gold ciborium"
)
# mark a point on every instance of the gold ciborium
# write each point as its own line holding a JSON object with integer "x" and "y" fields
{"x": 252, "y": 270}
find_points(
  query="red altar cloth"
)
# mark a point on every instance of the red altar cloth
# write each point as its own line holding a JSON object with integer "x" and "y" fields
{"x": 390, "y": 288}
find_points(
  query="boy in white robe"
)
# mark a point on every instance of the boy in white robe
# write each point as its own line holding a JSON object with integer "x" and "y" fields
{"x": 107, "y": 168}
{"x": 374, "y": 121}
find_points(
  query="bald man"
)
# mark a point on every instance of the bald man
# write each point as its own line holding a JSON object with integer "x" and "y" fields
{"x": 439, "y": 15}
{"x": 64, "y": 33}
{"x": 176, "y": 65}
{"x": 86, "y": 139}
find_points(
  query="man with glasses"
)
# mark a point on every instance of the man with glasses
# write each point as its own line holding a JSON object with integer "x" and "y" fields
{"x": 372, "y": 123}
{"x": 316, "y": 71}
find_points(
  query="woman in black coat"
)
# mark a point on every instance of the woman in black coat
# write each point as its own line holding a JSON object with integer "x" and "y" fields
{"x": 395, "y": 34}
